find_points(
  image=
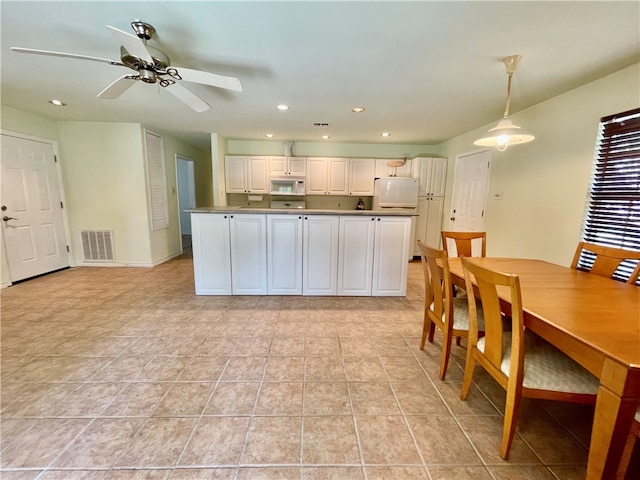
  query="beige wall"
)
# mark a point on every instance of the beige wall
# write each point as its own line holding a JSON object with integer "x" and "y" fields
{"x": 105, "y": 184}
{"x": 545, "y": 182}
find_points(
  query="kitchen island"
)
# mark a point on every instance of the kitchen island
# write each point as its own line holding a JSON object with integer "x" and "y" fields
{"x": 267, "y": 251}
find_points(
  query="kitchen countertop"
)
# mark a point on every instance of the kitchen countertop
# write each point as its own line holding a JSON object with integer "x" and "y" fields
{"x": 387, "y": 212}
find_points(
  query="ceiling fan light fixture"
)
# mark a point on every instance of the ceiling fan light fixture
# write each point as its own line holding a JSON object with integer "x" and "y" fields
{"x": 282, "y": 107}
{"x": 505, "y": 133}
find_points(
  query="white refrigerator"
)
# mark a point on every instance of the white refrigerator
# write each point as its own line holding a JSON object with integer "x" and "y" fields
{"x": 395, "y": 193}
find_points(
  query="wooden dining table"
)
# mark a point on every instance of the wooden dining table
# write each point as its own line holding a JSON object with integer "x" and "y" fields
{"x": 595, "y": 321}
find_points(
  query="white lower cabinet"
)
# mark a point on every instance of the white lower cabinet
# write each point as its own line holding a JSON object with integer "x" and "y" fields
{"x": 373, "y": 256}
{"x": 391, "y": 249}
{"x": 320, "y": 254}
{"x": 284, "y": 254}
{"x": 297, "y": 254}
{"x": 355, "y": 257}
{"x": 211, "y": 253}
{"x": 248, "y": 254}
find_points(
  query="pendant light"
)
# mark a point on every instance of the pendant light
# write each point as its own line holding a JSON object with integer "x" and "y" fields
{"x": 506, "y": 133}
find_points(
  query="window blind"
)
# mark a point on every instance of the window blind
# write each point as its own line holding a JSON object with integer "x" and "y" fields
{"x": 613, "y": 208}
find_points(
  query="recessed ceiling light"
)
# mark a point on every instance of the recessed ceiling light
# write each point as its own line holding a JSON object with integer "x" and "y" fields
{"x": 385, "y": 134}
{"x": 268, "y": 135}
{"x": 57, "y": 103}
{"x": 326, "y": 137}
{"x": 283, "y": 107}
{"x": 357, "y": 109}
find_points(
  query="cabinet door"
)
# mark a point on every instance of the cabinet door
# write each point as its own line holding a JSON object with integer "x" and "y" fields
{"x": 234, "y": 174}
{"x": 277, "y": 166}
{"x": 316, "y": 183}
{"x": 248, "y": 254}
{"x": 391, "y": 250}
{"x": 320, "y": 254}
{"x": 355, "y": 256}
{"x": 438, "y": 180}
{"x": 431, "y": 174}
{"x": 338, "y": 176}
{"x": 284, "y": 254}
{"x": 434, "y": 221}
{"x": 297, "y": 166}
{"x": 258, "y": 175}
{"x": 211, "y": 253}
{"x": 361, "y": 176}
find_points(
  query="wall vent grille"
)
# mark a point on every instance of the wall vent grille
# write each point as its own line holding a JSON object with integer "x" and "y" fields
{"x": 321, "y": 124}
{"x": 97, "y": 245}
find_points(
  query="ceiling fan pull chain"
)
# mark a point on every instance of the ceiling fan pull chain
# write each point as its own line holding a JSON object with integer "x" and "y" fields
{"x": 173, "y": 73}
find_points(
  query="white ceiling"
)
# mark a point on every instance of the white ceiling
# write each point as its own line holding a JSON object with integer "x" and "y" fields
{"x": 425, "y": 71}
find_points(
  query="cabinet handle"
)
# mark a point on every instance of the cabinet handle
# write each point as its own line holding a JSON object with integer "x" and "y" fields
{"x": 230, "y": 216}
{"x": 306, "y": 218}
{"x": 378, "y": 219}
{"x": 225, "y": 216}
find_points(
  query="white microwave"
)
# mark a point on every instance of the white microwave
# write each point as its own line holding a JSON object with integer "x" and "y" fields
{"x": 287, "y": 186}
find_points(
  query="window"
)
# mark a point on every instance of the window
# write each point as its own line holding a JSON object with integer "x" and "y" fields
{"x": 612, "y": 216}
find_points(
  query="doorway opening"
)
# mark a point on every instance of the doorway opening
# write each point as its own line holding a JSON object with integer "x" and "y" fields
{"x": 186, "y": 197}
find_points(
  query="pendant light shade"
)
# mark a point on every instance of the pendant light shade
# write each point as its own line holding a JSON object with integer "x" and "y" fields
{"x": 505, "y": 133}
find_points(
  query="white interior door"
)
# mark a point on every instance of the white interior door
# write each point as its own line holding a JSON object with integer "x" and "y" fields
{"x": 32, "y": 220}
{"x": 470, "y": 187}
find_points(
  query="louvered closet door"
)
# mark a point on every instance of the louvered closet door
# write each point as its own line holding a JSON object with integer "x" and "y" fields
{"x": 33, "y": 232}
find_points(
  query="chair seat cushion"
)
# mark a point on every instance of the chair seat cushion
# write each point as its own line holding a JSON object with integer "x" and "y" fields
{"x": 546, "y": 367}
{"x": 461, "y": 314}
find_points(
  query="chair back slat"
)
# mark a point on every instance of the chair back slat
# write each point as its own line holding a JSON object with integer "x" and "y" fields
{"x": 464, "y": 244}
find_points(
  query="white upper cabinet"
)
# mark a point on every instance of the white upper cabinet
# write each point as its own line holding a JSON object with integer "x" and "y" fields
{"x": 361, "y": 176}
{"x": 384, "y": 170}
{"x": 431, "y": 174}
{"x": 283, "y": 166}
{"x": 246, "y": 174}
{"x": 327, "y": 176}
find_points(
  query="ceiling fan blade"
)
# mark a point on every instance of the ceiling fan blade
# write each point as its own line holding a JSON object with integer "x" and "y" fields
{"x": 118, "y": 87}
{"x": 206, "y": 78}
{"x": 67, "y": 55}
{"x": 132, "y": 44}
{"x": 188, "y": 97}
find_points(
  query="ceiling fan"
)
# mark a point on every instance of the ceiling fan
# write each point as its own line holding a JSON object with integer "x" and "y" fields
{"x": 151, "y": 66}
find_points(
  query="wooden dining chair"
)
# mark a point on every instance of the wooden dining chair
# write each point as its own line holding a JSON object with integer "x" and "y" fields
{"x": 450, "y": 315}
{"x": 522, "y": 363}
{"x": 464, "y": 244}
{"x": 627, "y": 453}
{"x": 606, "y": 260}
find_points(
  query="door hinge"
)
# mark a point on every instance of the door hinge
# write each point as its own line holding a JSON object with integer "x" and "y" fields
{"x": 68, "y": 249}
{"x": 482, "y": 213}
{"x": 55, "y": 159}
{"x": 61, "y": 205}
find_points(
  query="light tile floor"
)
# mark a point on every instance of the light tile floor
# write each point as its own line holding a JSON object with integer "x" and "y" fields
{"x": 124, "y": 373}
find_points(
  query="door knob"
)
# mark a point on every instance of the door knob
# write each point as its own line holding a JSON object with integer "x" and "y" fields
{"x": 6, "y": 219}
